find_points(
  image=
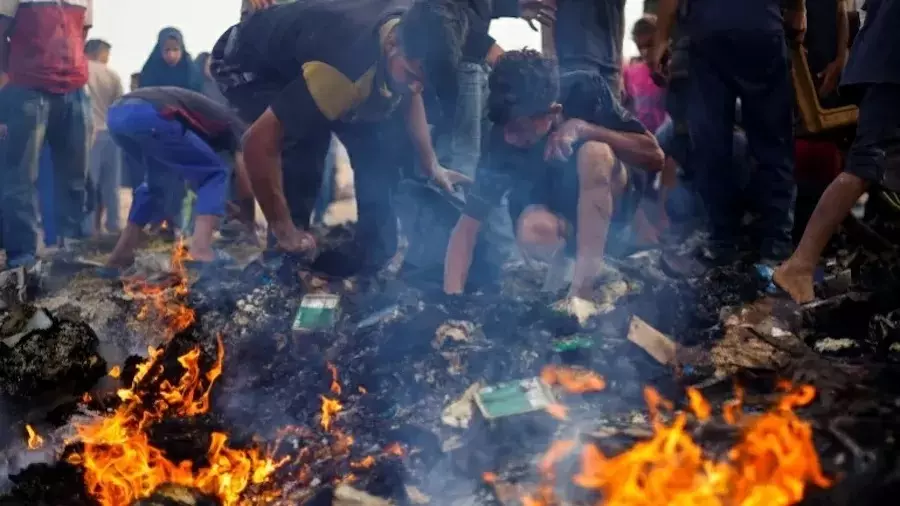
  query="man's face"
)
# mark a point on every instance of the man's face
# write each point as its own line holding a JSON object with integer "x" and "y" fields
{"x": 526, "y": 131}
{"x": 171, "y": 52}
{"x": 103, "y": 56}
{"x": 406, "y": 74}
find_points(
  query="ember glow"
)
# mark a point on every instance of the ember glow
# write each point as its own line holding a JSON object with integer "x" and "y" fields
{"x": 771, "y": 464}
{"x": 35, "y": 441}
{"x": 573, "y": 380}
{"x": 164, "y": 301}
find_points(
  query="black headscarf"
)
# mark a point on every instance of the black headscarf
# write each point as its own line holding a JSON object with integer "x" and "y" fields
{"x": 157, "y": 72}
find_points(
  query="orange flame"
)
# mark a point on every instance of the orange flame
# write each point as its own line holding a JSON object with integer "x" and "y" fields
{"x": 35, "y": 441}
{"x": 365, "y": 463}
{"x": 122, "y": 466}
{"x": 771, "y": 465}
{"x": 115, "y": 372}
{"x": 573, "y": 380}
{"x": 163, "y": 300}
{"x": 335, "y": 383}
{"x": 330, "y": 409}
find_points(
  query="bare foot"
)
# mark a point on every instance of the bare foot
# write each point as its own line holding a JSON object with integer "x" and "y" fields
{"x": 124, "y": 262}
{"x": 796, "y": 282}
{"x": 203, "y": 255}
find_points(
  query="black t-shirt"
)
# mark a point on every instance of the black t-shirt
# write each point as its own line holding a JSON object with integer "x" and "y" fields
{"x": 590, "y": 33}
{"x": 505, "y": 168}
{"x": 708, "y": 17}
{"x": 821, "y": 33}
{"x": 481, "y": 12}
{"x": 875, "y": 55}
{"x": 217, "y": 125}
{"x": 324, "y": 54}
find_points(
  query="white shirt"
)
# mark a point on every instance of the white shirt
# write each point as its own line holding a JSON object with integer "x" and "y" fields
{"x": 105, "y": 87}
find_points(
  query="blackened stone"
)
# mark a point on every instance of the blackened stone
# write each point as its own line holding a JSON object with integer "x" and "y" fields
{"x": 48, "y": 485}
{"x": 61, "y": 359}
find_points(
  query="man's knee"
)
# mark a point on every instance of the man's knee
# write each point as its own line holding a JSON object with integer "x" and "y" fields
{"x": 538, "y": 226}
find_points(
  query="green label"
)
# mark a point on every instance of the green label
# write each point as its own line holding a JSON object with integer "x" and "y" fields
{"x": 513, "y": 398}
{"x": 317, "y": 312}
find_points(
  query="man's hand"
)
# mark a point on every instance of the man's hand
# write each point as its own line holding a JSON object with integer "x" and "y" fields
{"x": 292, "y": 240}
{"x": 542, "y": 11}
{"x": 448, "y": 180}
{"x": 796, "y": 22}
{"x": 831, "y": 76}
{"x": 561, "y": 141}
{"x": 656, "y": 55}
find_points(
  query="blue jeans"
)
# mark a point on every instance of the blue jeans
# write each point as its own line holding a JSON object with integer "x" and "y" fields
{"x": 171, "y": 153}
{"x": 754, "y": 68}
{"x": 106, "y": 175}
{"x": 45, "y": 197}
{"x": 460, "y": 150}
{"x": 31, "y": 116}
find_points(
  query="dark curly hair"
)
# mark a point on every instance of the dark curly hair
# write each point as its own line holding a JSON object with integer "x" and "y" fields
{"x": 434, "y": 31}
{"x": 523, "y": 83}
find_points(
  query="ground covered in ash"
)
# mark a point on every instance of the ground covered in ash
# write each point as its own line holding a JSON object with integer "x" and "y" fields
{"x": 403, "y": 360}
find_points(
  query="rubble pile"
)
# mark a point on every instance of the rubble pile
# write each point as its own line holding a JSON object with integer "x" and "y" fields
{"x": 287, "y": 385}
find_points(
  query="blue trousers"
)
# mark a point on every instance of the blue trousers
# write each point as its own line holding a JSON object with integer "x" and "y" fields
{"x": 169, "y": 152}
{"x": 45, "y": 197}
{"x": 755, "y": 68}
{"x": 33, "y": 117}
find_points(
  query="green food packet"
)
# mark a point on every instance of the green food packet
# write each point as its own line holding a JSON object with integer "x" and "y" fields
{"x": 573, "y": 343}
{"x": 318, "y": 311}
{"x": 514, "y": 398}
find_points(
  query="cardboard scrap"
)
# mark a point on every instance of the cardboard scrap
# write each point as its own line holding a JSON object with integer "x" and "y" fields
{"x": 654, "y": 342}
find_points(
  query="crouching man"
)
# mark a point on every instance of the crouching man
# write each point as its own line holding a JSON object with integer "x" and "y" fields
{"x": 178, "y": 134}
{"x": 566, "y": 166}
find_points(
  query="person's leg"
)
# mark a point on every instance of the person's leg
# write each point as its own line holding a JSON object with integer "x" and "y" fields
{"x": 601, "y": 179}
{"x": 26, "y": 121}
{"x": 96, "y": 169}
{"x": 767, "y": 104}
{"x": 874, "y": 158}
{"x": 710, "y": 119}
{"x": 69, "y": 136}
{"x": 130, "y": 126}
{"x": 465, "y": 138}
{"x": 207, "y": 174}
{"x": 112, "y": 180}
{"x": 45, "y": 197}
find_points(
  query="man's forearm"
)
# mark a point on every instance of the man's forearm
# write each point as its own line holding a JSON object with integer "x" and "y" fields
{"x": 632, "y": 148}
{"x": 843, "y": 31}
{"x": 459, "y": 255}
{"x": 419, "y": 133}
{"x": 665, "y": 18}
{"x": 265, "y": 179}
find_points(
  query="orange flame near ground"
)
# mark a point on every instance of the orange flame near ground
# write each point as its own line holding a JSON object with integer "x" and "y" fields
{"x": 122, "y": 466}
{"x": 35, "y": 441}
{"x": 573, "y": 380}
{"x": 771, "y": 465}
{"x": 335, "y": 380}
{"x": 163, "y": 301}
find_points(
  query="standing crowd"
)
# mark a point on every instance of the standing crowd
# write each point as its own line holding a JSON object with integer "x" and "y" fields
{"x": 566, "y": 155}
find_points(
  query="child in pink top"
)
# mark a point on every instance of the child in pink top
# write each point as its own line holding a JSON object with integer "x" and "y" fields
{"x": 644, "y": 98}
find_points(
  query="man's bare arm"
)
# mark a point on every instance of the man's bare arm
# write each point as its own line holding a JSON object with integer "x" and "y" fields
{"x": 459, "y": 254}
{"x": 262, "y": 154}
{"x": 420, "y": 135}
{"x": 843, "y": 32}
{"x": 637, "y": 149}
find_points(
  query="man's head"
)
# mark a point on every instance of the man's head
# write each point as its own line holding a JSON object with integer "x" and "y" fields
{"x": 427, "y": 44}
{"x": 643, "y": 33}
{"x": 97, "y": 50}
{"x": 524, "y": 89}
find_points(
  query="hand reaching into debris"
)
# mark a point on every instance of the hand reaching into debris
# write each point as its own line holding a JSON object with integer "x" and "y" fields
{"x": 448, "y": 180}
{"x": 292, "y": 240}
{"x": 831, "y": 76}
{"x": 581, "y": 309}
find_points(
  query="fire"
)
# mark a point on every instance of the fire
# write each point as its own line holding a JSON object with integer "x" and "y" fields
{"x": 365, "y": 463}
{"x": 573, "y": 380}
{"x": 164, "y": 300}
{"x": 771, "y": 465}
{"x": 121, "y": 465}
{"x": 330, "y": 409}
{"x": 115, "y": 372}
{"x": 335, "y": 383}
{"x": 35, "y": 441}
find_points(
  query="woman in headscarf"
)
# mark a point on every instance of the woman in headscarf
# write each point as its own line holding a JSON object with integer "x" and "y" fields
{"x": 170, "y": 64}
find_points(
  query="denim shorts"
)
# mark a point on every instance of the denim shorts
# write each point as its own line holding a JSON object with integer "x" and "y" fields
{"x": 875, "y": 154}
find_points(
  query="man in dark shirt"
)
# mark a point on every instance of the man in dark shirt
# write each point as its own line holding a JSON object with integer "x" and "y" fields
{"x": 44, "y": 69}
{"x": 304, "y": 69}
{"x": 872, "y": 76}
{"x": 177, "y": 134}
{"x": 561, "y": 165}
{"x": 588, "y": 35}
{"x": 827, "y": 44}
{"x": 738, "y": 50}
